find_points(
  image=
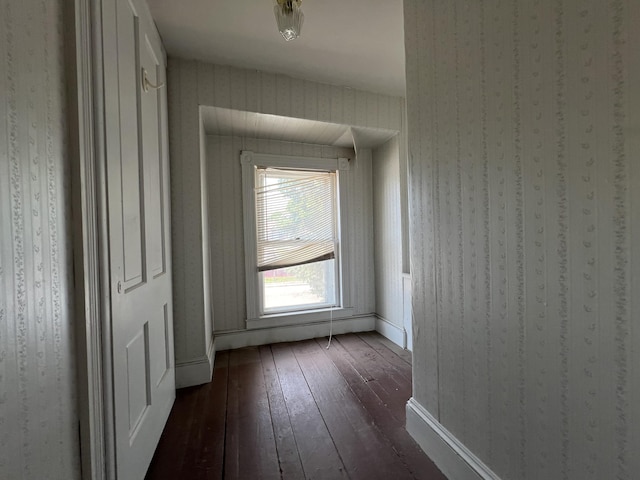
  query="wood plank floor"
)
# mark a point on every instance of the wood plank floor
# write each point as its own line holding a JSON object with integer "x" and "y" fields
{"x": 297, "y": 411}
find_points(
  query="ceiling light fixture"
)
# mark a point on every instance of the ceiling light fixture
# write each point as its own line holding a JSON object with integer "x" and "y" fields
{"x": 289, "y": 18}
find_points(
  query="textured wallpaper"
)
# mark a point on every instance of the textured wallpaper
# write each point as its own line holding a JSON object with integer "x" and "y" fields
{"x": 192, "y": 84}
{"x": 38, "y": 424}
{"x": 524, "y": 142}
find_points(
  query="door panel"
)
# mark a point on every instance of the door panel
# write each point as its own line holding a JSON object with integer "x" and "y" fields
{"x": 152, "y": 134}
{"x": 131, "y": 165}
{"x": 139, "y": 237}
{"x": 159, "y": 349}
{"x": 138, "y": 377}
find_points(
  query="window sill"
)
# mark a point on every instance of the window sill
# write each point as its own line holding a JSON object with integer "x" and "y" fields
{"x": 298, "y": 318}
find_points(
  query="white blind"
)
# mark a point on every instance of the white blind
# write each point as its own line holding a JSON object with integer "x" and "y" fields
{"x": 295, "y": 217}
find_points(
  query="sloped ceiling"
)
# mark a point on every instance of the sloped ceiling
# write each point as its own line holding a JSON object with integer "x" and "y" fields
{"x": 224, "y": 121}
{"x": 355, "y": 43}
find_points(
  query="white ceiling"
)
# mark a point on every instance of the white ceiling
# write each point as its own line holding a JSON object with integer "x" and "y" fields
{"x": 224, "y": 121}
{"x": 355, "y": 43}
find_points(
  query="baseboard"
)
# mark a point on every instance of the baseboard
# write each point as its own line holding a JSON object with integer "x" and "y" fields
{"x": 197, "y": 371}
{"x": 292, "y": 333}
{"x": 391, "y": 331}
{"x": 452, "y": 458}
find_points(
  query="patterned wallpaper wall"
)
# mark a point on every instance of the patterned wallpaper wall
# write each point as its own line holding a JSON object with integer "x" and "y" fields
{"x": 192, "y": 84}
{"x": 38, "y": 424}
{"x": 524, "y": 140}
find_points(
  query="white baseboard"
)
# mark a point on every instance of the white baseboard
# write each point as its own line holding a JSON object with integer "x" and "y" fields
{"x": 197, "y": 371}
{"x": 292, "y": 333}
{"x": 391, "y": 331}
{"x": 452, "y": 458}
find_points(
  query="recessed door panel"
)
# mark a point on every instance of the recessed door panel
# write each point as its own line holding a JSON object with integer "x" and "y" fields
{"x": 159, "y": 349}
{"x": 152, "y": 153}
{"x": 130, "y": 146}
{"x": 139, "y": 390}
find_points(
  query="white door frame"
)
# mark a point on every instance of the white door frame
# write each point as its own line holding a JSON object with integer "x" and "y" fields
{"x": 90, "y": 237}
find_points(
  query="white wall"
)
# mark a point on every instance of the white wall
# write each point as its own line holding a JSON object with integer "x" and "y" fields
{"x": 524, "y": 140}
{"x": 192, "y": 84}
{"x": 226, "y": 223}
{"x": 38, "y": 422}
{"x": 388, "y": 232}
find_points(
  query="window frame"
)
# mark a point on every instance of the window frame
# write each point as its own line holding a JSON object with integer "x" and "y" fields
{"x": 256, "y": 318}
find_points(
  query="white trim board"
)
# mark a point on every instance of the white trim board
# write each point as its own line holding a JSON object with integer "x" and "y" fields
{"x": 449, "y": 454}
{"x": 198, "y": 371}
{"x": 292, "y": 333}
{"x": 391, "y": 331}
{"x": 83, "y": 60}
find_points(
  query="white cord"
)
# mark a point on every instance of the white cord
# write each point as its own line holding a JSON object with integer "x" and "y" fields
{"x": 330, "y": 327}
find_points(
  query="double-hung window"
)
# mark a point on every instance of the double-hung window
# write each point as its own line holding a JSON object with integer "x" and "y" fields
{"x": 292, "y": 234}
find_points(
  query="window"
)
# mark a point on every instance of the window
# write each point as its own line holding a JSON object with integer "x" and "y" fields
{"x": 296, "y": 228}
{"x": 292, "y": 234}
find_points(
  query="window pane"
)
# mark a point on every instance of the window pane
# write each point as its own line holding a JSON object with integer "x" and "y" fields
{"x": 300, "y": 287}
{"x": 295, "y": 217}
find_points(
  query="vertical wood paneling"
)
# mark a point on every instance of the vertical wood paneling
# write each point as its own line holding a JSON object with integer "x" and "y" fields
{"x": 310, "y": 99}
{"x": 174, "y": 96}
{"x": 206, "y": 82}
{"x": 387, "y": 232}
{"x": 192, "y": 84}
{"x": 336, "y": 104}
{"x": 216, "y": 197}
{"x": 221, "y": 86}
{"x": 268, "y": 102}
{"x": 38, "y": 422}
{"x": 324, "y": 103}
{"x": 297, "y": 98}
{"x": 206, "y": 254}
{"x": 372, "y": 109}
{"x": 229, "y": 208}
{"x": 253, "y": 91}
{"x": 192, "y": 343}
{"x": 526, "y": 116}
{"x": 361, "y": 107}
{"x": 348, "y": 106}
{"x": 238, "y": 81}
{"x": 283, "y": 95}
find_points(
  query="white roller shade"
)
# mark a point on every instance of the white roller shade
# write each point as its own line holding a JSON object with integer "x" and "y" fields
{"x": 295, "y": 217}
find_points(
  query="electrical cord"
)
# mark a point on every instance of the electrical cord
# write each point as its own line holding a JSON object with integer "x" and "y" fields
{"x": 330, "y": 327}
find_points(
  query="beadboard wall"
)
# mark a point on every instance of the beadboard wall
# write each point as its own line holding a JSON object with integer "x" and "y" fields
{"x": 38, "y": 422}
{"x": 226, "y": 223}
{"x": 192, "y": 84}
{"x": 388, "y": 232}
{"x": 524, "y": 141}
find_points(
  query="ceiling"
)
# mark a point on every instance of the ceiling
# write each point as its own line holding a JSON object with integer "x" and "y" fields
{"x": 354, "y": 43}
{"x": 224, "y": 121}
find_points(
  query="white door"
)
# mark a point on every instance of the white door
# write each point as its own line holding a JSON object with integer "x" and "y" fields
{"x": 139, "y": 236}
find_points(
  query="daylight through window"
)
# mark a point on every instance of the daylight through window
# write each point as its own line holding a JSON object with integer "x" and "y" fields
{"x": 297, "y": 238}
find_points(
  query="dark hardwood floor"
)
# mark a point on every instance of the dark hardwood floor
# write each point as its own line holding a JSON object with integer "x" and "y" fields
{"x": 297, "y": 411}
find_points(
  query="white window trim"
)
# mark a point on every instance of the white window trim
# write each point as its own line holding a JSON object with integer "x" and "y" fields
{"x": 249, "y": 161}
